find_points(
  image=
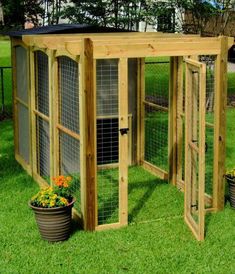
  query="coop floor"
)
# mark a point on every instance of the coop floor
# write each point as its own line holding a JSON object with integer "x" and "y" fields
{"x": 149, "y": 198}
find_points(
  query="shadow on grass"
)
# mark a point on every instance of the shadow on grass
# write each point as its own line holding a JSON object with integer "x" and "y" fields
{"x": 145, "y": 196}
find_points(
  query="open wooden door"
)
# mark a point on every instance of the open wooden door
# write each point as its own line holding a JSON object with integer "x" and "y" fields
{"x": 195, "y": 147}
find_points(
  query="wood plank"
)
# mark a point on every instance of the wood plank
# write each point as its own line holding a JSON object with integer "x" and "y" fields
{"x": 68, "y": 131}
{"x": 188, "y": 138}
{"x": 166, "y": 48}
{"x": 156, "y": 106}
{"x": 56, "y": 107}
{"x": 220, "y": 125}
{"x": 123, "y": 140}
{"x": 108, "y": 226}
{"x": 201, "y": 167}
{"x": 179, "y": 119}
{"x": 162, "y": 174}
{"x": 56, "y": 39}
{"x": 90, "y": 136}
{"x": 41, "y": 115}
{"x": 51, "y": 60}
{"x": 82, "y": 131}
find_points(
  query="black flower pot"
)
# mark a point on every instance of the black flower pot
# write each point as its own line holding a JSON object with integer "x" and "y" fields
{"x": 231, "y": 188}
{"x": 54, "y": 224}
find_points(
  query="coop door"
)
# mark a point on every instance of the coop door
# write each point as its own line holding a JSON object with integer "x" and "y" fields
{"x": 195, "y": 147}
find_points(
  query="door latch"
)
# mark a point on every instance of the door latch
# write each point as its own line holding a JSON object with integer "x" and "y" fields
{"x": 123, "y": 130}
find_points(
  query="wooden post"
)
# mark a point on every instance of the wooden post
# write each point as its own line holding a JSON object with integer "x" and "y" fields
{"x": 140, "y": 110}
{"x": 172, "y": 121}
{"x": 123, "y": 140}
{"x": 180, "y": 118}
{"x": 89, "y": 141}
{"x": 56, "y": 106}
{"x": 220, "y": 125}
{"x": 51, "y": 90}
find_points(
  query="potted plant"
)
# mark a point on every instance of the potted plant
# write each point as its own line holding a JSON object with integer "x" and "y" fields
{"x": 230, "y": 177}
{"x": 53, "y": 209}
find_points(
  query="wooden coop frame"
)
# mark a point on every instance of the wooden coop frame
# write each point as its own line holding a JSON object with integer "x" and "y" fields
{"x": 86, "y": 50}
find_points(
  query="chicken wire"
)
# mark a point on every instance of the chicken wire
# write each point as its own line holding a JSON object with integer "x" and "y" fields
{"x": 156, "y": 113}
{"x": 21, "y": 74}
{"x": 43, "y": 148}
{"x": 107, "y": 140}
{"x": 69, "y": 145}
{"x": 42, "y": 106}
{"x": 209, "y": 60}
{"x": 23, "y": 131}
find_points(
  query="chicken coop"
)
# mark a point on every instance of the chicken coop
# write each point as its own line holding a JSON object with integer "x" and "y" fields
{"x": 86, "y": 106}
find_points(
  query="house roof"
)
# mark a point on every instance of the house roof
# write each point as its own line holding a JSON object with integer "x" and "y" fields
{"x": 64, "y": 29}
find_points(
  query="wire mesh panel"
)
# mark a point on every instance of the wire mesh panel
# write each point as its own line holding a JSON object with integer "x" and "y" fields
{"x": 23, "y": 131}
{"x": 21, "y": 74}
{"x": 209, "y": 61}
{"x": 43, "y": 148}
{"x": 42, "y": 121}
{"x": 107, "y": 140}
{"x": 22, "y": 103}
{"x": 156, "y": 112}
{"x": 68, "y": 123}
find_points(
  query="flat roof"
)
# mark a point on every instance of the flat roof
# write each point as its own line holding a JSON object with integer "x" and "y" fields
{"x": 64, "y": 29}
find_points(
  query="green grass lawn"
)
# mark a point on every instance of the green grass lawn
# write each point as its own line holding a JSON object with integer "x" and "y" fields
{"x": 163, "y": 245}
{"x": 6, "y": 62}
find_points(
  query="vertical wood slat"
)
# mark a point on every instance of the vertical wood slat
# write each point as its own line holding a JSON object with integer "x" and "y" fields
{"x": 202, "y": 140}
{"x": 51, "y": 110}
{"x": 188, "y": 100}
{"x": 56, "y": 106}
{"x": 81, "y": 77}
{"x": 141, "y": 111}
{"x": 123, "y": 140}
{"x": 172, "y": 121}
{"x": 195, "y": 89}
{"x": 90, "y": 137}
{"x": 179, "y": 123}
{"x": 220, "y": 125}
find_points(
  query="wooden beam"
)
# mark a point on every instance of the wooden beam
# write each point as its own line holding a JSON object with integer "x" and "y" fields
{"x": 90, "y": 137}
{"x": 162, "y": 174}
{"x": 162, "y": 48}
{"x": 220, "y": 124}
{"x": 123, "y": 140}
{"x": 179, "y": 119}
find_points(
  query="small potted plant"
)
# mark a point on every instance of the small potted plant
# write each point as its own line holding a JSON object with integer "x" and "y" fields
{"x": 230, "y": 176}
{"x": 53, "y": 209}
